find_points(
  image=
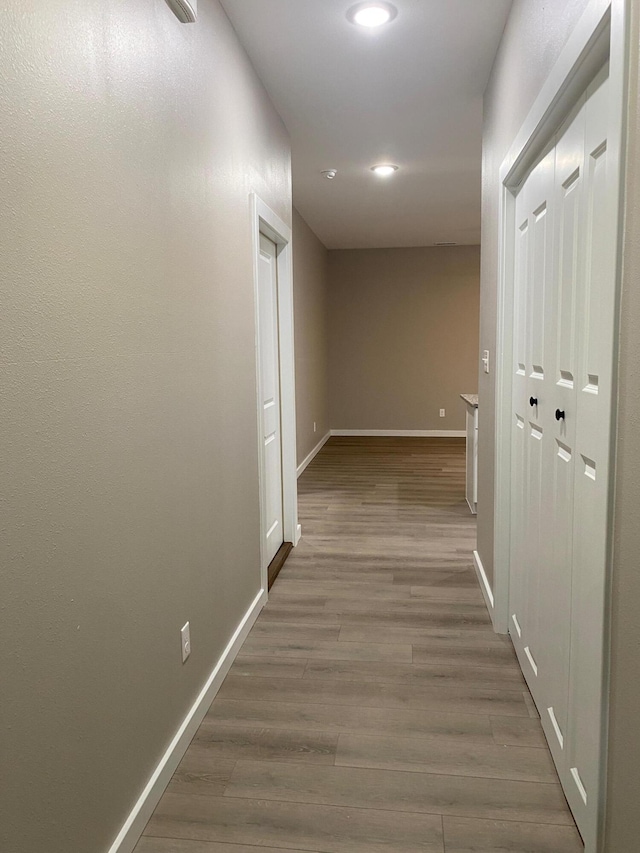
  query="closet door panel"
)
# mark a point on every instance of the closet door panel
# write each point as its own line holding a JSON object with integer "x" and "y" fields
{"x": 556, "y": 571}
{"x": 538, "y": 431}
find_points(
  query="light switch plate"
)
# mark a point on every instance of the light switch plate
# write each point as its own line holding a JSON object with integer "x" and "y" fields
{"x": 485, "y": 360}
{"x": 185, "y": 638}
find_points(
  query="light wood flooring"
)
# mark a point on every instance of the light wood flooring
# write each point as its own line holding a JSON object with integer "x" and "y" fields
{"x": 372, "y": 707}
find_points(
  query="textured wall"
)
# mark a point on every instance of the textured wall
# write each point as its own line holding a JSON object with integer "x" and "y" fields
{"x": 128, "y": 464}
{"x": 532, "y": 41}
{"x": 403, "y": 337}
{"x": 310, "y": 297}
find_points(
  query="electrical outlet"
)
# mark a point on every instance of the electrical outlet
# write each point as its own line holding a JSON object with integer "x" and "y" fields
{"x": 185, "y": 638}
{"x": 442, "y": 413}
{"x": 315, "y": 426}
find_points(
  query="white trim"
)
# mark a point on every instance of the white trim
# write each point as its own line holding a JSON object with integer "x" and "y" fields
{"x": 618, "y": 80}
{"x": 582, "y": 56}
{"x": 485, "y": 586}
{"x": 417, "y": 433}
{"x": 503, "y": 406}
{"x": 265, "y": 221}
{"x": 308, "y": 459}
{"x": 139, "y": 816}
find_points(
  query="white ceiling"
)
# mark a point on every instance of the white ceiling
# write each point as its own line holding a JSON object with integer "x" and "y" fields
{"x": 408, "y": 93}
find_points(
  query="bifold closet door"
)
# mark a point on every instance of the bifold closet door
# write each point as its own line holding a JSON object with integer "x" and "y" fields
{"x": 560, "y": 460}
{"x": 564, "y": 304}
{"x": 532, "y": 377}
{"x": 595, "y": 325}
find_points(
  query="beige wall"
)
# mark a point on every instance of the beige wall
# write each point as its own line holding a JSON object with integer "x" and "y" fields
{"x": 403, "y": 337}
{"x": 532, "y": 41}
{"x": 310, "y": 297}
{"x": 129, "y": 484}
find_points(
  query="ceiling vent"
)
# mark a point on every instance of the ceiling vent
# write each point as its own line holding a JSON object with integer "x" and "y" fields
{"x": 185, "y": 10}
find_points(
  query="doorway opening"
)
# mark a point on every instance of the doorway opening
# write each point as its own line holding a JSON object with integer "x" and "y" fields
{"x": 279, "y": 528}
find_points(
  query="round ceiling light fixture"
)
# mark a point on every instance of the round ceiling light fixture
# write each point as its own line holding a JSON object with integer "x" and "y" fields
{"x": 383, "y": 170}
{"x": 372, "y": 14}
{"x": 329, "y": 174}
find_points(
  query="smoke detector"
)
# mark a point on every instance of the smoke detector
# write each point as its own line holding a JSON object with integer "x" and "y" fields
{"x": 186, "y": 11}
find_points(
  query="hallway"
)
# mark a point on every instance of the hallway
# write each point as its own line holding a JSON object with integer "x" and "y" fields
{"x": 372, "y": 708}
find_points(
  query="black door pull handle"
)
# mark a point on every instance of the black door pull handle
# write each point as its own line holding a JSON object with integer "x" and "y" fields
{"x": 559, "y": 415}
{"x": 533, "y": 401}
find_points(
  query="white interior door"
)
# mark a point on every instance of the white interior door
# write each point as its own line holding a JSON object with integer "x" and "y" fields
{"x": 532, "y": 381}
{"x": 564, "y": 298}
{"x": 595, "y": 324}
{"x": 268, "y": 336}
{"x": 556, "y": 562}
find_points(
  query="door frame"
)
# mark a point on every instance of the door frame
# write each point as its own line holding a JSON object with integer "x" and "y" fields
{"x": 265, "y": 221}
{"x": 600, "y": 35}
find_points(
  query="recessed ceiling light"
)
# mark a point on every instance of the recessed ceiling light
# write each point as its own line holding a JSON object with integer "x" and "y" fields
{"x": 372, "y": 14}
{"x": 383, "y": 170}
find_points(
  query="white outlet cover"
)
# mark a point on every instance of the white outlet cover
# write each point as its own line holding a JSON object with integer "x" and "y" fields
{"x": 442, "y": 413}
{"x": 185, "y": 639}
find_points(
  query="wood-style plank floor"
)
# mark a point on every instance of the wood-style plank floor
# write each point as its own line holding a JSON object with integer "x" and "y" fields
{"x": 372, "y": 707}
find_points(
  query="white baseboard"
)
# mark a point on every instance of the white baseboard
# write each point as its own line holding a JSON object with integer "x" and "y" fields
{"x": 409, "y": 433}
{"x": 298, "y": 534}
{"x": 484, "y": 583}
{"x": 308, "y": 459}
{"x": 139, "y": 816}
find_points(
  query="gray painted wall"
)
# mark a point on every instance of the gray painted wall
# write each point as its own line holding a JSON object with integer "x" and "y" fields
{"x": 128, "y": 464}
{"x": 532, "y": 41}
{"x": 310, "y": 298}
{"x": 403, "y": 337}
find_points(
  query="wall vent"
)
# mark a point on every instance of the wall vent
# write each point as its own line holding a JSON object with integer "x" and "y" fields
{"x": 445, "y": 244}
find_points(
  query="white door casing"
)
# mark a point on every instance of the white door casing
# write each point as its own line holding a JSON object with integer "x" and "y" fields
{"x": 267, "y": 224}
{"x": 269, "y": 358}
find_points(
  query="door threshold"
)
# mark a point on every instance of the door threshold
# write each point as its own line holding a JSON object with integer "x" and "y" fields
{"x": 278, "y": 562}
